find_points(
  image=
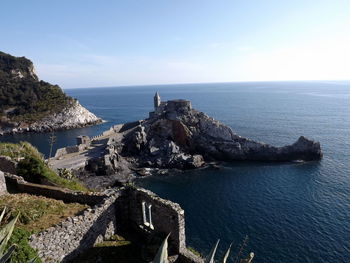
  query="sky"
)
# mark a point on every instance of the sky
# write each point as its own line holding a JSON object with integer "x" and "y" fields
{"x": 85, "y": 43}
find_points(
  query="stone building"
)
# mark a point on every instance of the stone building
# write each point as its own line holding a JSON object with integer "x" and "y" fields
{"x": 169, "y": 107}
{"x": 157, "y": 100}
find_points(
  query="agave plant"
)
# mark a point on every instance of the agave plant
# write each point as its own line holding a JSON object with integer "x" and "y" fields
{"x": 5, "y": 234}
{"x": 162, "y": 254}
{"x": 211, "y": 256}
{"x": 224, "y": 259}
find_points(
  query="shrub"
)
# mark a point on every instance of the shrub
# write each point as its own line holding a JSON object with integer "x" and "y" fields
{"x": 24, "y": 251}
{"x": 34, "y": 170}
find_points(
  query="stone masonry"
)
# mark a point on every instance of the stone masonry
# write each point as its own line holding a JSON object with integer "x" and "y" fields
{"x": 3, "y": 189}
{"x": 76, "y": 234}
{"x": 126, "y": 208}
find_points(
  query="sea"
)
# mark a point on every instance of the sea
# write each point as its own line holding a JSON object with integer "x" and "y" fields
{"x": 287, "y": 212}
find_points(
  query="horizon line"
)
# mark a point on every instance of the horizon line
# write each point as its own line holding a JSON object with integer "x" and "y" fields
{"x": 214, "y": 82}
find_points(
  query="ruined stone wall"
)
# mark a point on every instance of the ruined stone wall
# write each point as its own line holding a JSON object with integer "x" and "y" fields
{"x": 119, "y": 210}
{"x": 70, "y": 149}
{"x": 3, "y": 189}
{"x": 75, "y": 235}
{"x": 20, "y": 185}
{"x": 7, "y": 165}
{"x": 166, "y": 217}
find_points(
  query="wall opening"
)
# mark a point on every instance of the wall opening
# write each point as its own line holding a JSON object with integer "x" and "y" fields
{"x": 147, "y": 215}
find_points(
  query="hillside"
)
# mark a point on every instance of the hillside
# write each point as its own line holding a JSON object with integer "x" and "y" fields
{"x": 27, "y": 103}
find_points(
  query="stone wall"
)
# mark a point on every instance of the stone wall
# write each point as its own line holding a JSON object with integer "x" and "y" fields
{"x": 120, "y": 209}
{"x": 3, "y": 189}
{"x": 75, "y": 235}
{"x": 7, "y": 165}
{"x": 70, "y": 149}
{"x": 20, "y": 185}
{"x": 166, "y": 217}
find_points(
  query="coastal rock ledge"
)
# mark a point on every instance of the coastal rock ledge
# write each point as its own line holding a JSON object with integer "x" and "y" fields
{"x": 73, "y": 116}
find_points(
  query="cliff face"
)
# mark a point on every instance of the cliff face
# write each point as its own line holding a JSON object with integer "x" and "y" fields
{"x": 28, "y": 104}
{"x": 73, "y": 116}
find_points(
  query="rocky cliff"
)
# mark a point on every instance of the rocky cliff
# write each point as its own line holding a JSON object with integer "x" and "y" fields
{"x": 178, "y": 136}
{"x": 174, "y": 136}
{"x": 73, "y": 116}
{"x": 30, "y": 104}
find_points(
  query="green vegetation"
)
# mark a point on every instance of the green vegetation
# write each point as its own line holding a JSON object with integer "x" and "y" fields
{"x": 37, "y": 212}
{"x": 32, "y": 214}
{"x": 194, "y": 251}
{"x": 23, "y": 251}
{"x": 5, "y": 235}
{"x": 26, "y": 98}
{"x": 34, "y": 170}
{"x": 19, "y": 150}
{"x": 32, "y": 167}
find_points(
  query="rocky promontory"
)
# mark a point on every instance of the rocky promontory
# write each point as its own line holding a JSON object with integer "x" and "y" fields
{"x": 174, "y": 136}
{"x": 29, "y": 104}
{"x": 72, "y": 116}
{"x": 178, "y": 136}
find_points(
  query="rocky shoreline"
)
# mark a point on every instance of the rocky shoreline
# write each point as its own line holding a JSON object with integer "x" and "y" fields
{"x": 175, "y": 136}
{"x": 73, "y": 116}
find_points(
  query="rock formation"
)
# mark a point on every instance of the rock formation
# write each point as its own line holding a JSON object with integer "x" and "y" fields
{"x": 74, "y": 116}
{"x": 177, "y": 136}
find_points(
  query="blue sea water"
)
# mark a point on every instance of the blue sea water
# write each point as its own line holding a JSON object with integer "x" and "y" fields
{"x": 292, "y": 212}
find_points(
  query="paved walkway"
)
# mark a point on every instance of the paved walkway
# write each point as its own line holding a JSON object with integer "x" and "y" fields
{"x": 78, "y": 159}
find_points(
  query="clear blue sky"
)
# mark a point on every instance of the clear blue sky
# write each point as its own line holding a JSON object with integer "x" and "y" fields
{"x": 84, "y": 43}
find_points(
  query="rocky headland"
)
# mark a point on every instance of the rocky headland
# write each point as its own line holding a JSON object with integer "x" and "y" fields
{"x": 175, "y": 136}
{"x": 29, "y": 104}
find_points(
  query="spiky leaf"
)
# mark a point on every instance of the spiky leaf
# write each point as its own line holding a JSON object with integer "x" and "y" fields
{"x": 224, "y": 259}
{"x": 32, "y": 260}
{"x": 162, "y": 254}
{"x": 2, "y": 214}
{"x": 210, "y": 257}
{"x": 4, "y": 258}
{"x": 5, "y": 234}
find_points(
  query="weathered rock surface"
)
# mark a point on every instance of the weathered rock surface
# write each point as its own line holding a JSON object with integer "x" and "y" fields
{"x": 178, "y": 136}
{"x": 3, "y": 188}
{"x": 75, "y": 116}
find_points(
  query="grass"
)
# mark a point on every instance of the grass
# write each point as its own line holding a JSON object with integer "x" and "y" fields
{"x": 36, "y": 212}
{"x": 17, "y": 151}
{"x": 32, "y": 167}
{"x": 194, "y": 251}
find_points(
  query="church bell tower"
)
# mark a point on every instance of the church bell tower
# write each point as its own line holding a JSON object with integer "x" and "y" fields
{"x": 156, "y": 100}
